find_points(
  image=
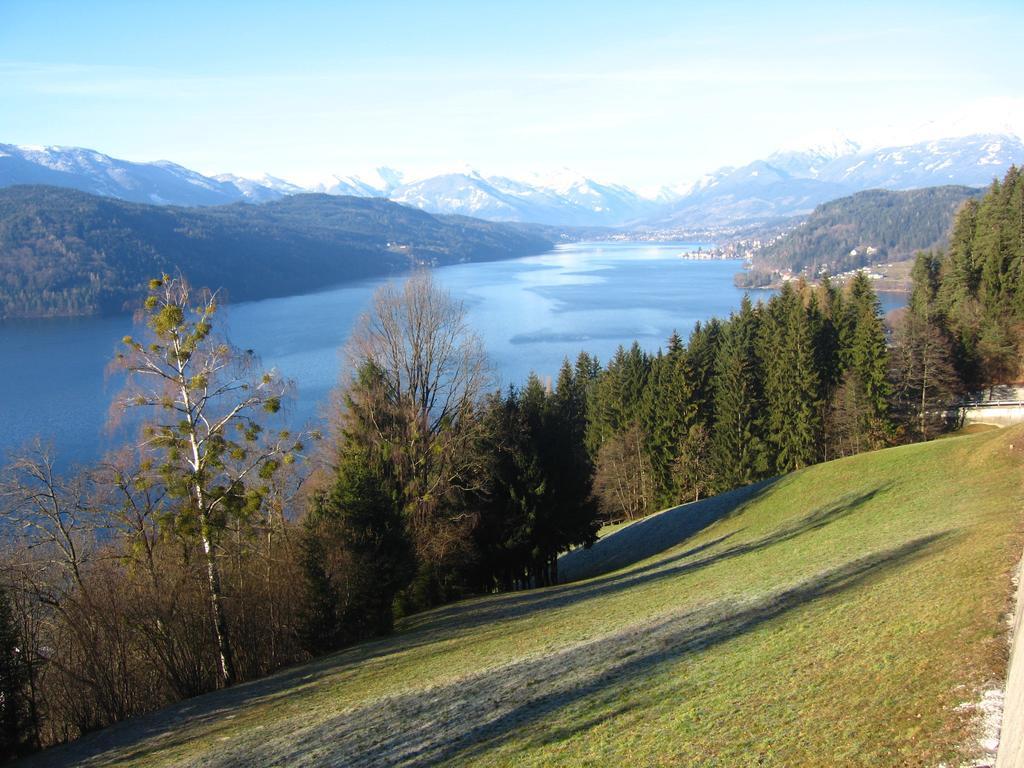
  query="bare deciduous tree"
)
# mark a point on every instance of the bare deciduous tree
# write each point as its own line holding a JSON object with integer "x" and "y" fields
{"x": 925, "y": 381}
{"x": 694, "y": 469}
{"x": 623, "y": 476}
{"x": 431, "y": 372}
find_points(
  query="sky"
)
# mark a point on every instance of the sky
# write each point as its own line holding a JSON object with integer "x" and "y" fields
{"x": 641, "y": 93}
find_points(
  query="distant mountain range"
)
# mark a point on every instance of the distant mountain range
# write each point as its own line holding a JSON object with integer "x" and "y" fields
{"x": 781, "y": 185}
{"x": 794, "y": 183}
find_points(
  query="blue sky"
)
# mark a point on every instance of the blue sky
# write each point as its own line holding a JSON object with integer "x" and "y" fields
{"x": 642, "y": 93}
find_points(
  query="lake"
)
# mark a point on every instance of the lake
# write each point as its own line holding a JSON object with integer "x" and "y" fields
{"x": 530, "y": 312}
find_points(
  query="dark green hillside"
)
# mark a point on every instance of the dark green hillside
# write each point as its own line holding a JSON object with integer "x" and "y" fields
{"x": 66, "y": 253}
{"x": 895, "y": 224}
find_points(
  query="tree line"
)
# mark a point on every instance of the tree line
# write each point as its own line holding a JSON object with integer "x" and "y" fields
{"x": 775, "y": 387}
{"x": 222, "y": 545}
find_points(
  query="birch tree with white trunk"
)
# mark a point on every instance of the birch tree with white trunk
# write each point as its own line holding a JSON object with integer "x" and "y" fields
{"x": 201, "y": 438}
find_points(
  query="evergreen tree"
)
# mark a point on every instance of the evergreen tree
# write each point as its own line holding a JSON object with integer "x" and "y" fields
{"x": 701, "y": 352}
{"x": 586, "y": 370}
{"x": 570, "y": 399}
{"x": 514, "y": 485}
{"x": 566, "y": 513}
{"x": 868, "y": 353}
{"x": 358, "y": 554}
{"x": 989, "y": 247}
{"x": 960, "y": 272}
{"x": 667, "y": 412}
{"x": 737, "y": 444}
{"x": 542, "y": 513}
{"x": 822, "y": 307}
{"x": 791, "y": 383}
{"x": 981, "y": 292}
{"x": 568, "y": 463}
{"x": 615, "y": 395}
{"x": 538, "y": 500}
{"x": 925, "y": 281}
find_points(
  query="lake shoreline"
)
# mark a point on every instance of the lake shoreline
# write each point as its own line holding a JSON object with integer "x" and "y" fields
{"x": 530, "y": 312}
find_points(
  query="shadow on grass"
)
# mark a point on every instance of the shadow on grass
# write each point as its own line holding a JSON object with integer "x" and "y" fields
{"x": 664, "y": 642}
{"x": 651, "y": 535}
{"x": 517, "y": 605}
{"x": 175, "y": 726}
{"x": 467, "y": 719}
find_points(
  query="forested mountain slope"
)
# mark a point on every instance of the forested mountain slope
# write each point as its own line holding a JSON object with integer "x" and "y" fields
{"x": 65, "y": 252}
{"x": 810, "y": 623}
{"x": 880, "y": 225}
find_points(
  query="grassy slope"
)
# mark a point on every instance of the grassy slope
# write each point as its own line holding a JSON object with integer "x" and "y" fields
{"x": 837, "y": 618}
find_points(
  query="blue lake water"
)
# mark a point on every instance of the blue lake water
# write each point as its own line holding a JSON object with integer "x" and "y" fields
{"x": 530, "y": 312}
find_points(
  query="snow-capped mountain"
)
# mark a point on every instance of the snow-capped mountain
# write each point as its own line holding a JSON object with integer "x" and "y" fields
{"x": 261, "y": 190}
{"x": 970, "y": 160}
{"x": 610, "y": 201}
{"x": 808, "y": 162}
{"x": 671, "y": 193}
{"x": 563, "y": 199}
{"x": 160, "y": 182}
{"x": 754, "y": 193}
{"x": 787, "y": 183}
{"x": 468, "y": 194}
{"x": 380, "y": 183}
{"x": 793, "y": 182}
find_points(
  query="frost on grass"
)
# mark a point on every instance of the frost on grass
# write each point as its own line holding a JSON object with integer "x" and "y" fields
{"x": 987, "y": 714}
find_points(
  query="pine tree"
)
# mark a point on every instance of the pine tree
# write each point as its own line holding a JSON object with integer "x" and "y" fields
{"x": 568, "y": 463}
{"x": 989, "y": 251}
{"x": 570, "y": 399}
{"x": 538, "y": 500}
{"x": 981, "y": 291}
{"x": 822, "y": 308}
{"x": 801, "y": 434}
{"x": 960, "y": 272}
